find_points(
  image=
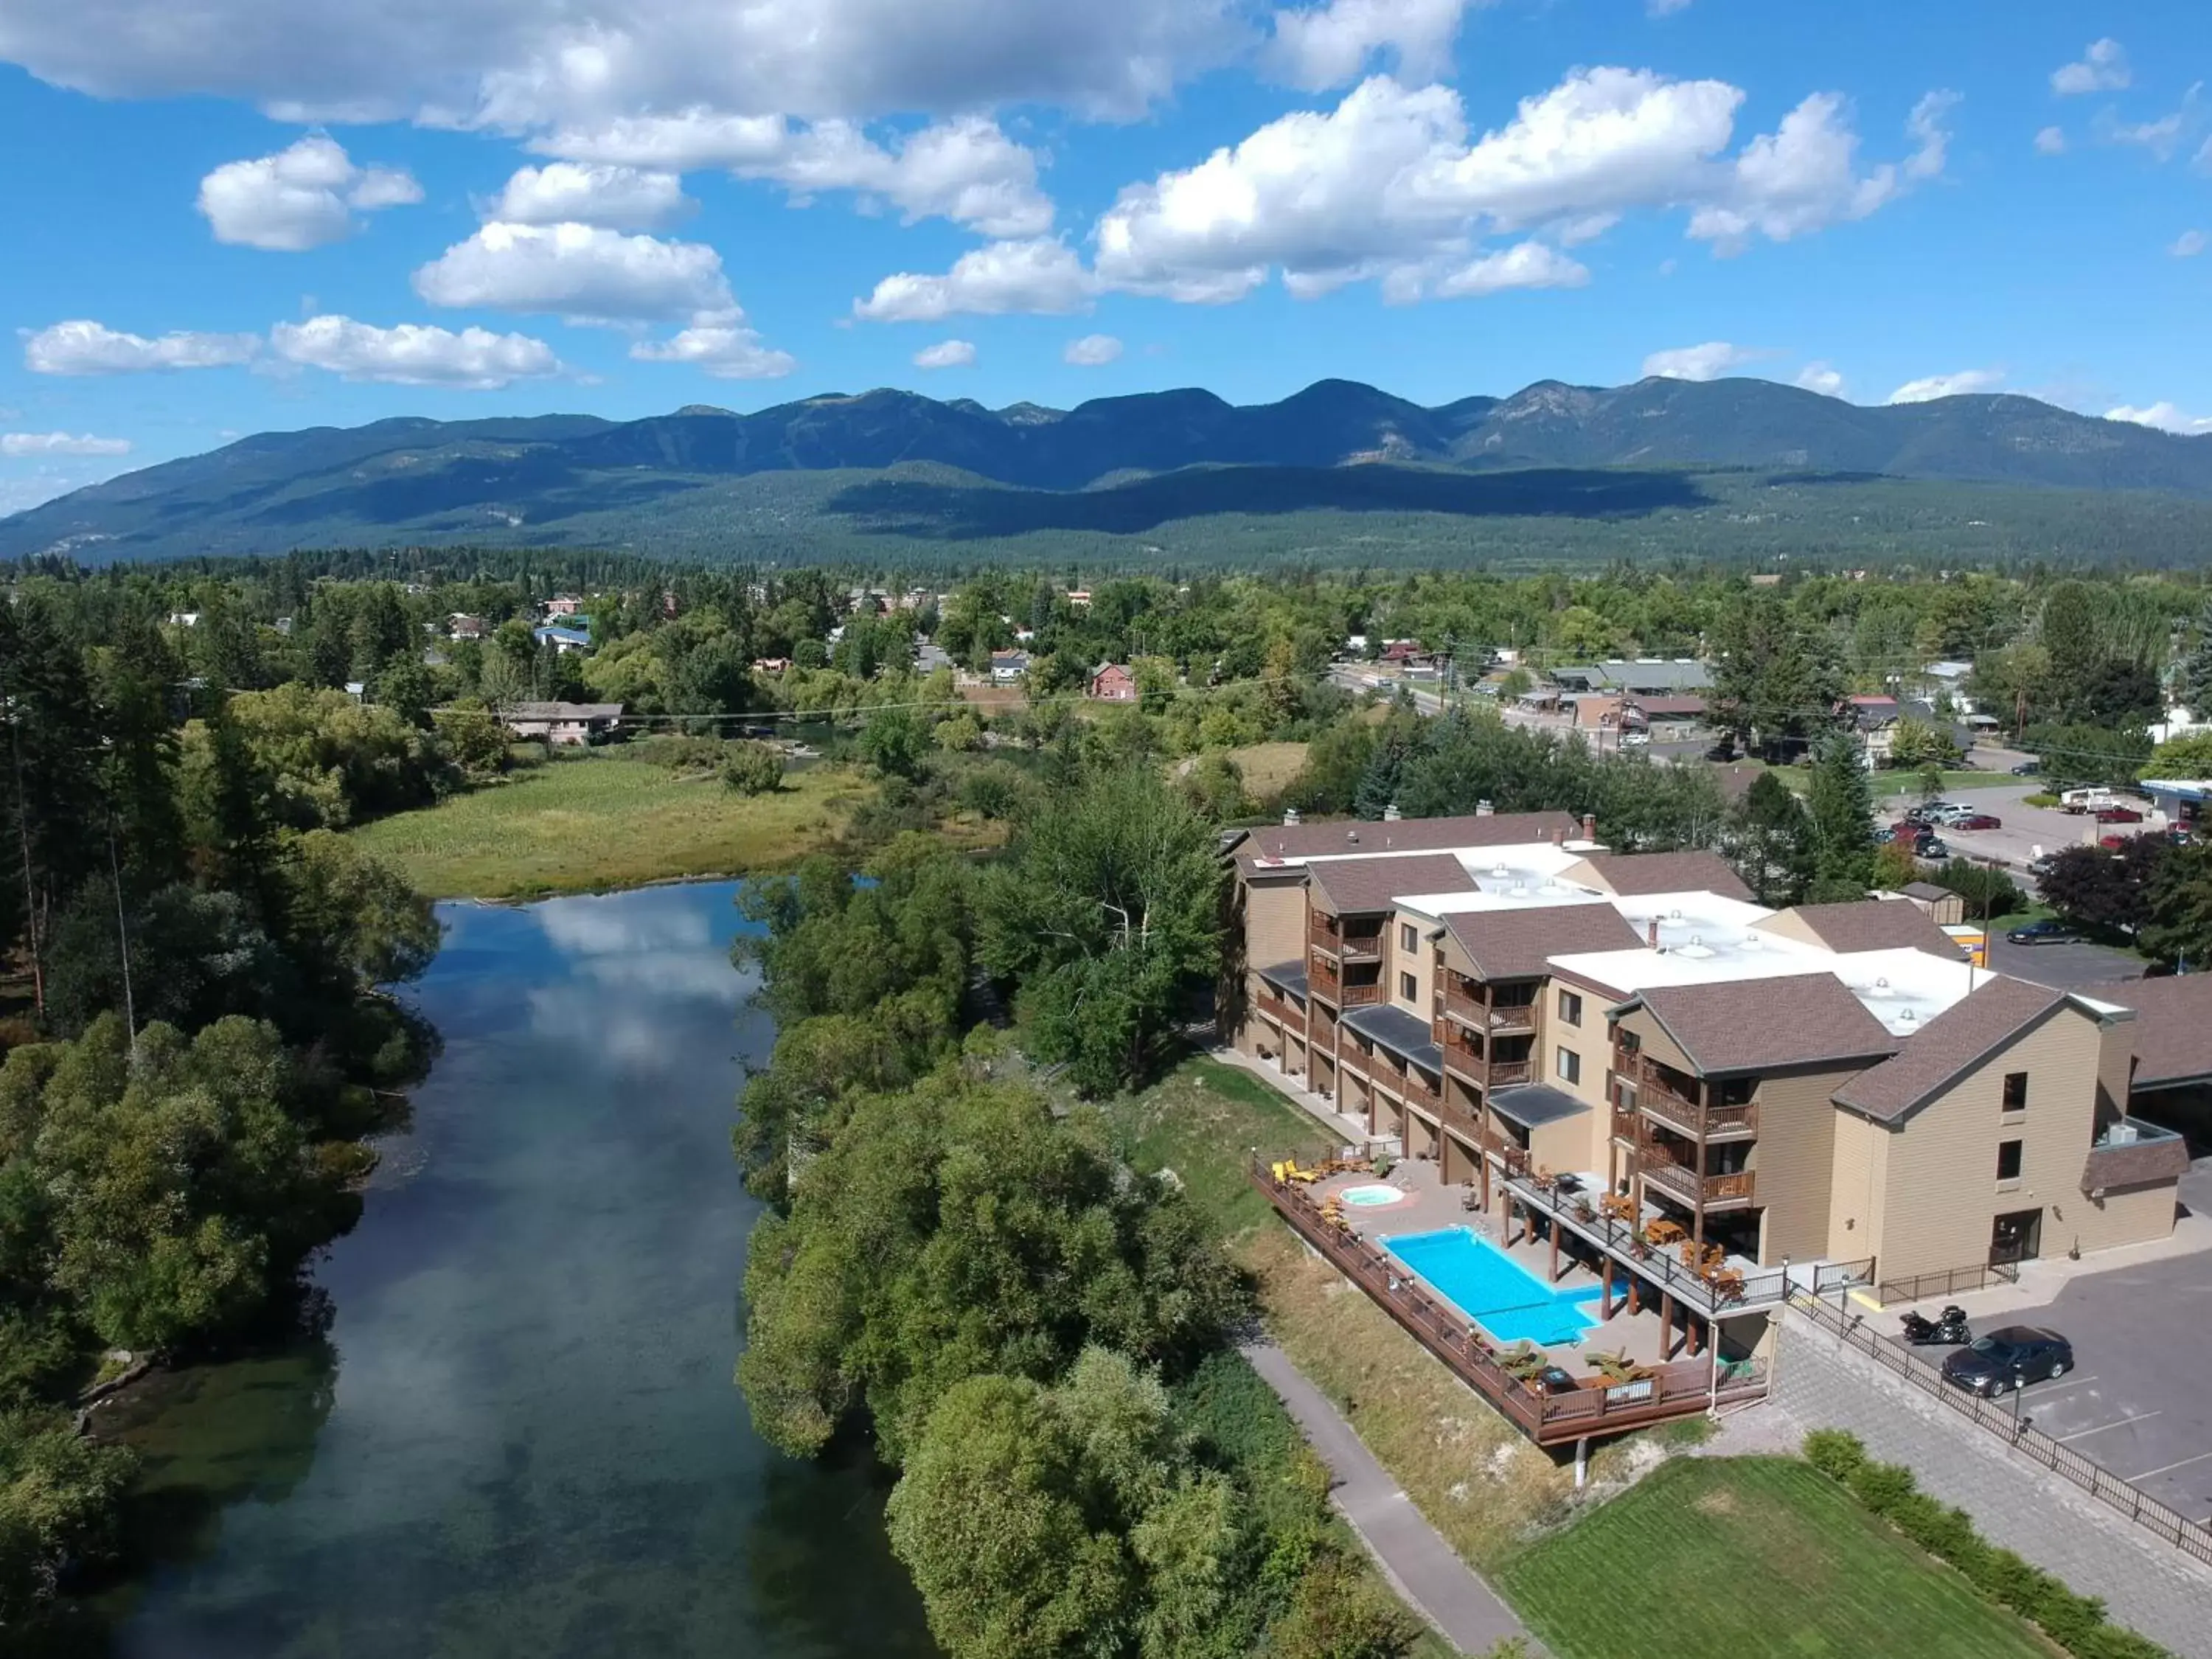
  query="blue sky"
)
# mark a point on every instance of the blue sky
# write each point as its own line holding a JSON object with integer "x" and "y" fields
{"x": 223, "y": 220}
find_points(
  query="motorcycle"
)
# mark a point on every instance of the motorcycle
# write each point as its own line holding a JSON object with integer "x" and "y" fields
{"x": 1947, "y": 1328}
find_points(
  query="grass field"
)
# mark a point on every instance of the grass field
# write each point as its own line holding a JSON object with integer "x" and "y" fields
{"x": 1269, "y": 767}
{"x": 606, "y": 821}
{"x": 1748, "y": 1557}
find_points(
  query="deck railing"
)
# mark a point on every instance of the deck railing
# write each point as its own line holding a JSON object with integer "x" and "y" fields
{"x": 1358, "y": 996}
{"x": 1678, "y": 1180}
{"x": 1677, "y": 1113}
{"x": 1275, "y": 1008}
{"x": 1670, "y": 1392}
{"x": 1503, "y": 1072}
{"x": 1952, "y": 1281}
{"x": 2168, "y": 1526}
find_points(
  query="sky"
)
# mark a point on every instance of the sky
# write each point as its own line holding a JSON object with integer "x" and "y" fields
{"x": 228, "y": 216}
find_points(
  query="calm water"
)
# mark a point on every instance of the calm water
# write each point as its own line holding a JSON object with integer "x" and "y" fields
{"x": 520, "y": 1436}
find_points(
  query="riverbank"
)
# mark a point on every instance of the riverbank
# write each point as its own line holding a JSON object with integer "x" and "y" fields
{"x": 606, "y": 820}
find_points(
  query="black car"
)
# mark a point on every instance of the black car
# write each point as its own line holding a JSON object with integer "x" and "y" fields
{"x": 2048, "y": 931}
{"x": 1930, "y": 847}
{"x": 2028, "y": 769}
{"x": 2010, "y": 1358}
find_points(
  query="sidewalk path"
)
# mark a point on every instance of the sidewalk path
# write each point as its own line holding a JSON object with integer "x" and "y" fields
{"x": 1413, "y": 1556}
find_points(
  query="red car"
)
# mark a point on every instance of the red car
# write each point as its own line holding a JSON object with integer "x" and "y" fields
{"x": 1977, "y": 821}
{"x": 2118, "y": 815}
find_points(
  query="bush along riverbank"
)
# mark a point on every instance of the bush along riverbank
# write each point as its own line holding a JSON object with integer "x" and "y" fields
{"x": 1036, "y": 1337}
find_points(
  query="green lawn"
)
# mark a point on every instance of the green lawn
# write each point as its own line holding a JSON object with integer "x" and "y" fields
{"x": 1201, "y": 1121}
{"x": 607, "y": 820}
{"x": 1743, "y": 1558}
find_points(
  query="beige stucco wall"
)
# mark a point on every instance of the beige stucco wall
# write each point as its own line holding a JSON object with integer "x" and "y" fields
{"x": 1858, "y": 1189}
{"x": 1274, "y": 922}
{"x": 2126, "y": 1215}
{"x": 1592, "y": 1041}
{"x": 1564, "y": 1146}
{"x": 1420, "y": 962}
{"x": 1656, "y": 1044}
{"x": 1794, "y": 1160}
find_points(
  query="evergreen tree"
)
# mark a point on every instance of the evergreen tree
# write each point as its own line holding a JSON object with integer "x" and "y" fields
{"x": 1770, "y": 841}
{"x": 1840, "y": 808}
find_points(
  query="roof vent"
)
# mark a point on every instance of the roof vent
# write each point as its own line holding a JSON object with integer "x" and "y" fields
{"x": 1352, "y": 834}
{"x": 1483, "y": 809}
{"x": 1907, "y": 1017}
{"x": 1674, "y": 915}
{"x": 1290, "y": 817}
{"x": 1498, "y": 873}
{"x": 1752, "y": 942}
{"x": 1390, "y": 813}
{"x": 1520, "y": 890}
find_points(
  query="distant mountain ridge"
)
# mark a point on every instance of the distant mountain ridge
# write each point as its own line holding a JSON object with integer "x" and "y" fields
{"x": 412, "y": 479}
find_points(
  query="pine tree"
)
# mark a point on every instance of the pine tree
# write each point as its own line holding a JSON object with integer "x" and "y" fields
{"x": 1840, "y": 805}
{"x": 1770, "y": 842}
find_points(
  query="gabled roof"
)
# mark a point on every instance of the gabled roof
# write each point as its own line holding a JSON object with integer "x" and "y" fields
{"x": 1948, "y": 1046}
{"x": 1358, "y": 886}
{"x": 1632, "y": 875}
{"x": 1514, "y": 944}
{"x": 1350, "y": 835}
{"x": 1875, "y": 925}
{"x": 2173, "y": 1026}
{"x": 1754, "y": 1024}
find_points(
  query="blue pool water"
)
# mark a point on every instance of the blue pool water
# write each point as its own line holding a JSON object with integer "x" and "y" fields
{"x": 1492, "y": 1289}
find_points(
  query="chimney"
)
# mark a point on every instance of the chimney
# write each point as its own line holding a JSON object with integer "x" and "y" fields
{"x": 1290, "y": 817}
{"x": 1589, "y": 826}
{"x": 1559, "y": 838}
{"x": 1483, "y": 809}
{"x": 1390, "y": 813}
{"x": 1651, "y": 933}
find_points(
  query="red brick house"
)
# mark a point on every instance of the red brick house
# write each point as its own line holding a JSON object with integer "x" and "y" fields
{"x": 1114, "y": 684}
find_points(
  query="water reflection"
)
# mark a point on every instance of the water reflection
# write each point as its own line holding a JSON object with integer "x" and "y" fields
{"x": 519, "y": 1436}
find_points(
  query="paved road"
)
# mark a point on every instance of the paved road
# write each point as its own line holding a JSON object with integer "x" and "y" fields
{"x": 2068, "y": 967}
{"x": 1413, "y": 1555}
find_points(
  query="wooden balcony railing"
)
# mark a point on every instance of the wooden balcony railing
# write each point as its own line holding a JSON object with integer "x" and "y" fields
{"x": 1352, "y": 1060}
{"x": 1275, "y": 1008}
{"x": 1359, "y": 996}
{"x": 1701, "y": 1192}
{"x": 1713, "y": 1123}
{"x": 1512, "y": 1019}
{"x": 1463, "y": 1059}
{"x": 1503, "y": 1072}
{"x": 1419, "y": 1088}
{"x": 1625, "y": 1125}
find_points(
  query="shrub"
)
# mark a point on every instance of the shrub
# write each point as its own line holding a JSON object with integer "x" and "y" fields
{"x": 1835, "y": 1452}
{"x": 1881, "y": 1487}
{"x": 753, "y": 769}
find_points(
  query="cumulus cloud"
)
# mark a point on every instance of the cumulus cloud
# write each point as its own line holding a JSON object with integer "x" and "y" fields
{"x": 523, "y": 64}
{"x": 612, "y": 197}
{"x": 2163, "y": 415}
{"x": 2103, "y": 68}
{"x": 582, "y": 272}
{"x": 727, "y": 350}
{"x": 1092, "y": 351}
{"x": 2188, "y": 245}
{"x": 1708, "y": 362}
{"x": 1331, "y": 44}
{"x": 1039, "y": 276}
{"x": 1821, "y": 378}
{"x": 2163, "y": 137}
{"x": 475, "y": 359}
{"x": 299, "y": 198}
{"x": 945, "y": 354}
{"x": 966, "y": 169}
{"x": 1932, "y": 386}
{"x": 1804, "y": 176}
{"x": 1527, "y": 265}
{"x": 60, "y": 443}
{"x": 83, "y": 347}
{"x": 2052, "y": 141}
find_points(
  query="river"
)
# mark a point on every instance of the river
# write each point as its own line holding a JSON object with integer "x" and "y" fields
{"x": 519, "y": 1435}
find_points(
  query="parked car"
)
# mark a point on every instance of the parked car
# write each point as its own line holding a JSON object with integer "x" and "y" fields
{"x": 2116, "y": 814}
{"x": 2087, "y": 798}
{"x": 2114, "y": 843}
{"x": 2028, "y": 769}
{"x": 2010, "y": 1358}
{"x": 1930, "y": 847}
{"x": 2048, "y": 931}
{"x": 1977, "y": 821}
{"x": 1634, "y": 739}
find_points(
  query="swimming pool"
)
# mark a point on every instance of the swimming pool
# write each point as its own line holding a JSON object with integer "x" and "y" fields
{"x": 1493, "y": 1289}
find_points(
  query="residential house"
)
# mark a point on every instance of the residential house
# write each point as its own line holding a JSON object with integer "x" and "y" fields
{"x": 564, "y": 604}
{"x": 1113, "y": 683}
{"x": 1672, "y": 716}
{"x": 462, "y": 626}
{"x": 1008, "y": 667}
{"x": 564, "y": 723}
{"x": 563, "y": 639}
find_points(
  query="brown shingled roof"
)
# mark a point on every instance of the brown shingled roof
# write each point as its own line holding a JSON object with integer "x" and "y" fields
{"x": 1513, "y": 943}
{"x": 1633, "y": 874}
{"x": 2161, "y": 1158}
{"x": 1355, "y": 885}
{"x": 1959, "y": 1038}
{"x": 1876, "y": 925}
{"x": 2173, "y": 1026}
{"x": 1749, "y": 1024}
{"x": 1306, "y": 841}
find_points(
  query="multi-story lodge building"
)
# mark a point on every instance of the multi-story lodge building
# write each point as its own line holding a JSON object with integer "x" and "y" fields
{"x": 1831, "y": 1082}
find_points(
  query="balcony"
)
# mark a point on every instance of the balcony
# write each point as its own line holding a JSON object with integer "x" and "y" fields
{"x": 1418, "y": 1088}
{"x": 1515, "y": 1019}
{"x": 1349, "y": 947}
{"x": 1359, "y": 996}
{"x": 1708, "y": 1122}
{"x": 1275, "y": 1008}
{"x": 1504, "y": 1071}
{"x": 1684, "y": 1185}
{"x": 1353, "y": 1061}
{"x": 1626, "y": 1125}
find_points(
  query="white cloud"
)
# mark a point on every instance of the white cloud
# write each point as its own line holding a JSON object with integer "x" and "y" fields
{"x": 1330, "y": 45}
{"x": 965, "y": 169}
{"x": 82, "y": 346}
{"x": 2188, "y": 245}
{"x": 525, "y": 64}
{"x": 1526, "y": 264}
{"x": 299, "y": 198}
{"x": 1665, "y": 8}
{"x": 945, "y": 354}
{"x": 1822, "y": 378}
{"x": 726, "y": 349}
{"x": 1804, "y": 176}
{"x": 2052, "y": 141}
{"x": 1932, "y": 386}
{"x": 1708, "y": 362}
{"x": 2163, "y": 137}
{"x": 582, "y": 272}
{"x": 2163, "y": 415}
{"x": 1039, "y": 276}
{"x": 60, "y": 443}
{"x": 612, "y": 197}
{"x": 475, "y": 359}
{"x": 1092, "y": 351}
{"x": 2103, "y": 68}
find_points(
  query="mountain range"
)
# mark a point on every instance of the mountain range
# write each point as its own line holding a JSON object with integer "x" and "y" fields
{"x": 704, "y": 480}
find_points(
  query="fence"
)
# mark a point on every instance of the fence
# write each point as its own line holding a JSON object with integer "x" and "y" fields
{"x": 1952, "y": 1281}
{"x": 2169, "y": 1526}
{"x": 1664, "y": 1394}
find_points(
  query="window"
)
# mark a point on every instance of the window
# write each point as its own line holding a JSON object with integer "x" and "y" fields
{"x": 1571, "y": 1008}
{"x": 1409, "y": 988}
{"x": 2016, "y": 1092}
{"x": 2008, "y": 1159}
{"x": 1568, "y": 1065}
{"x": 1409, "y": 938}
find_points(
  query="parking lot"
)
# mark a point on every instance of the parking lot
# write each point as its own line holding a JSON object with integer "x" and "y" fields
{"x": 2137, "y": 1401}
{"x": 2065, "y": 967}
